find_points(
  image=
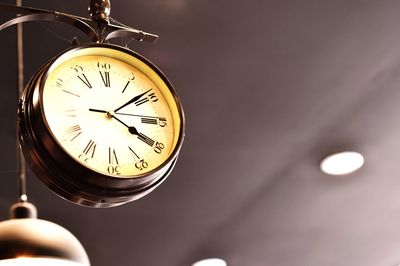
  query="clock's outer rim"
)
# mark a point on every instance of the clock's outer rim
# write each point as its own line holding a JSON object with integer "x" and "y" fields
{"x": 63, "y": 174}
{"x": 153, "y": 67}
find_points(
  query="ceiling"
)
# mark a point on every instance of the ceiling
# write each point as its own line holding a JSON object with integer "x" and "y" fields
{"x": 268, "y": 88}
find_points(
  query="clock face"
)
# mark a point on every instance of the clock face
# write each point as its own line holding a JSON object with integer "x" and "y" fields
{"x": 110, "y": 111}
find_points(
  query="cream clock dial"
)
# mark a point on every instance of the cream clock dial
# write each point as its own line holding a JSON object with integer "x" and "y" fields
{"x": 109, "y": 114}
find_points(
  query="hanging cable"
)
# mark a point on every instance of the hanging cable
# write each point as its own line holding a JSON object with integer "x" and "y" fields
{"x": 21, "y": 161}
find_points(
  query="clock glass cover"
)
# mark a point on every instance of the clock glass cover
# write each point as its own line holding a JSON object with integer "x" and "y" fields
{"x": 111, "y": 112}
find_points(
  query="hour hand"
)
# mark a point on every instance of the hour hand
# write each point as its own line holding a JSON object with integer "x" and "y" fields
{"x": 97, "y": 110}
{"x": 134, "y": 99}
{"x": 111, "y": 114}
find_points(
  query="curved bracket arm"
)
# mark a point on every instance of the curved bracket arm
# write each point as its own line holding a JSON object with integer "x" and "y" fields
{"x": 95, "y": 30}
{"x": 53, "y": 17}
{"x": 118, "y": 30}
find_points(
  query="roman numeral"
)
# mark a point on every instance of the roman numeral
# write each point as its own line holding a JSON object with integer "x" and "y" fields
{"x": 126, "y": 86}
{"x": 59, "y": 83}
{"x": 152, "y": 121}
{"x": 73, "y": 132}
{"x": 161, "y": 121}
{"x": 71, "y": 93}
{"x": 141, "y": 101}
{"x": 112, "y": 156}
{"x": 140, "y": 163}
{"x": 134, "y": 153}
{"x": 79, "y": 71}
{"x": 90, "y": 149}
{"x": 71, "y": 112}
{"x": 105, "y": 77}
{"x": 104, "y": 70}
{"x": 85, "y": 80}
{"x": 129, "y": 81}
{"x": 146, "y": 139}
{"x": 151, "y": 97}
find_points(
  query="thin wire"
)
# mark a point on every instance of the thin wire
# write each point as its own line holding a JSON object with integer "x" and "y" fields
{"x": 55, "y": 34}
{"x": 21, "y": 161}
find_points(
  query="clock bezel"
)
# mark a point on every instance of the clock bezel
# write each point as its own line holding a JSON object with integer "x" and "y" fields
{"x": 65, "y": 175}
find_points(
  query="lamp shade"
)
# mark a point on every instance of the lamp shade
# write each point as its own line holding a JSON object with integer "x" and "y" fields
{"x": 31, "y": 241}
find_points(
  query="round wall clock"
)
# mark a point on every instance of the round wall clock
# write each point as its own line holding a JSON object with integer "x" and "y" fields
{"x": 100, "y": 125}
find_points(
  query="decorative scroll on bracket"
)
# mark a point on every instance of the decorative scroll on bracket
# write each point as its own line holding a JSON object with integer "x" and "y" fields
{"x": 100, "y": 27}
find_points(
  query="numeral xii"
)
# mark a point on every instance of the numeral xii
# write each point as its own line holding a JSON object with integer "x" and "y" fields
{"x": 105, "y": 77}
{"x": 104, "y": 70}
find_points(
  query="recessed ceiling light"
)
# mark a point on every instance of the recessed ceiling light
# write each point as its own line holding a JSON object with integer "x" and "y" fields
{"x": 210, "y": 262}
{"x": 342, "y": 163}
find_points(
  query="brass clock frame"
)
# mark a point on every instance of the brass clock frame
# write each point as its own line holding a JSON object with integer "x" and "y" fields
{"x": 63, "y": 174}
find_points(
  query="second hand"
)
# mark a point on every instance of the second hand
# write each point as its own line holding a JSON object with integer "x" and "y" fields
{"x": 105, "y": 112}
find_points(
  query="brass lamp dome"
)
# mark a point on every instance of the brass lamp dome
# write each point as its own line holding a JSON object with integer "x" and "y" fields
{"x": 28, "y": 241}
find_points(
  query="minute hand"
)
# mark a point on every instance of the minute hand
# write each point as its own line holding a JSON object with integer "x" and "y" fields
{"x": 134, "y": 99}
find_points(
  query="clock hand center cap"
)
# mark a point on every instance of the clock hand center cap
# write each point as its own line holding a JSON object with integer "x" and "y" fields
{"x": 110, "y": 114}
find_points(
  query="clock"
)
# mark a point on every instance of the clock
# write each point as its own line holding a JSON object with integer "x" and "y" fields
{"x": 100, "y": 125}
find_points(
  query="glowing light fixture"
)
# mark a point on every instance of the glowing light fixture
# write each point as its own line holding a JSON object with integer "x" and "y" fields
{"x": 28, "y": 241}
{"x": 209, "y": 262}
{"x": 342, "y": 163}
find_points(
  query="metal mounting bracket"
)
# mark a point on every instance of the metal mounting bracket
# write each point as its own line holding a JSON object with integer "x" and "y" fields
{"x": 100, "y": 27}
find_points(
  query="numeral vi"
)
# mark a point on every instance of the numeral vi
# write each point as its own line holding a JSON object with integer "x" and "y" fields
{"x": 113, "y": 167}
{"x": 88, "y": 151}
